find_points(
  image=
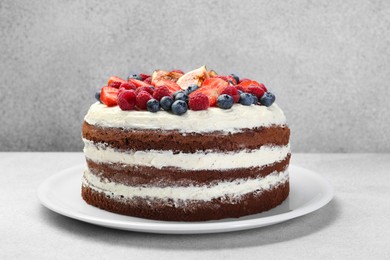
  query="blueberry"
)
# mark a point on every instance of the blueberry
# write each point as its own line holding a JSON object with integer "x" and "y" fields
{"x": 153, "y": 105}
{"x": 166, "y": 103}
{"x": 181, "y": 96}
{"x": 179, "y": 107}
{"x": 97, "y": 96}
{"x": 177, "y": 92}
{"x": 134, "y": 76}
{"x": 255, "y": 100}
{"x": 267, "y": 99}
{"x": 246, "y": 99}
{"x": 235, "y": 77}
{"x": 191, "y": 89}
{"x": 225, "y": 101}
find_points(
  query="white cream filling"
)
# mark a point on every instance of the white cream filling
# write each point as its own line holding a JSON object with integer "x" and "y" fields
{"x": 225, "y": 189}
{"x": 99, "y": 152}
{"x": 213, "y": 119}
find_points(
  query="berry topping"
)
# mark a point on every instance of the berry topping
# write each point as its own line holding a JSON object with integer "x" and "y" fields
{"x": 128, "y": 86}
{"x": 139, "y": 83}
{"x": 148, "y": 80}
{"x": 161, "y": 92}
{"x": 166, "y": 103}
{"x": 153, "y": 105}
{"x": 240, "y": 88}
{"x": 191, "y": 89}
{"x": 267, "y": 99}
{"x": 126, "y": 100}
{"x": 246, "y": 99}
{"x": 199, "y": 101}
{"x": 231, "y": 91}
{"x": 179, "y": 107}
{"x": 144, "y": 76}
{"x": 108, "y": 96}
{"x": 172, "y": 86}
{"x": 177, "y": 92}
{"x": 257, "y": 91}
{"x": 135, "y": 76}
{"x": 236, "y": 78}
{"x": 181, "y": 96}
{"x": 114, "y": 79}
{"x": 115, "y": 84}
{"x": 212, "y": 88}
{"x": 142, "y": 98}
{"x": 243, "y": 80}
{"x": 255, "y": 100}
{"x": 97, "y": 96}
{"x": 148, "y": 89}
{"x": 225, "y": 101}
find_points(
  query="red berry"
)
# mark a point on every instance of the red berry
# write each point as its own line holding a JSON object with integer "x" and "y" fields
{"x": 144, "y": 76}
{"x": 138, "y": 83}
{"x": 161, "y": 92}
{"x": 142, "y": 98}
{"x": 243, "y": 80}
{"x": 114, "y": 79}
{"x": 258, "y": 91}
{"x": 148, "y": 80}
{"x": 199, "y": 101}
{"x": 115, "y": 84}
{"x": 126, "y": 100}
{"x": 108, "y": 96}
{"x": 239, "y": 87}
{"x": 178, "y": 71}
{"x": 148, "y": 89}
{"x": 231, "y": 91}
{"x": 128, "y": 86}
{"x": 211, "y": 87}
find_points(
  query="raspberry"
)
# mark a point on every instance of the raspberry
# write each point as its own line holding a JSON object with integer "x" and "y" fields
{"x": 128, "y": 86}
{"x": 126, "y": 100}
{"x": 142, "y": 98}
{"x": 231, "y": 91}
{"x": 144, "y": 76}
{"x": 161, "y": 92}
{"x": 148, "y": 80}
{"x": 199, "y": 101}
{"x": 257, "y": 91}
{"x": 115, "y": 84}
{"x": 148, "y": 89}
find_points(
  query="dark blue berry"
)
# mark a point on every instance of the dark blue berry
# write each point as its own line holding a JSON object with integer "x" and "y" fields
{"x": 153, "y": 105}
{"x": 235, "y": 77}
{"x": 97, "y": 96}
{"x": 255, "y": 100}
{"x": 181, "y": 96}
{"x": 225, "y": 101}
{"x": 246, "y": 99}
{"x": 179, "y": 107}
{"x": 134, "y": 76}
{"x": 177, "y": 92}
{"x": 191, "y": 89}
{"x": 166, "y": 103}
{"x": 267, "y": 99}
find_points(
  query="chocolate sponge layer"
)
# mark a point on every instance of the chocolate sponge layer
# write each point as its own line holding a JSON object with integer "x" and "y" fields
{"x": 191, "y": 210}
{"x": 186, "y": 142}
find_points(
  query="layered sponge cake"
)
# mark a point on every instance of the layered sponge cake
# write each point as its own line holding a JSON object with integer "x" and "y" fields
{"x": 222, "y": 157}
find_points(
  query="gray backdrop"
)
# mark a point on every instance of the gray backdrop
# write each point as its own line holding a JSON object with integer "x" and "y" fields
{"x": 327, "y": 61}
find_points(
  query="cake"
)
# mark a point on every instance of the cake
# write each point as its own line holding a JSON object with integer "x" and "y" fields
{"x": 196, "y": 146}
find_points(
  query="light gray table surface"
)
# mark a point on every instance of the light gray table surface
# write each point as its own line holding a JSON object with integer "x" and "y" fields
{"x": 354, "y": 225}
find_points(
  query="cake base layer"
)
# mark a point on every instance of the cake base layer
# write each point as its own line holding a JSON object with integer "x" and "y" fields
{"x": 189, "y": 211}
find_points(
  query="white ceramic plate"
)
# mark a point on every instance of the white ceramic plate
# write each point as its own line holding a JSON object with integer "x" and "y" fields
{"x": 62, "y": 194}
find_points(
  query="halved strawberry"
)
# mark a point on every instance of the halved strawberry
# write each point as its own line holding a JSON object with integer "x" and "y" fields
{"x": 212, "y": 87}
{"x": 172, "y": 86}
{"x": 108, "y": 96}
{"x": 247, "y": 83}
{"x": 231, "y": 91}
{"x": 227, "y": 78}
{"x": 115, "y": 79}
{"x": 144, "y": 76}
{"x": 138, "y": 83}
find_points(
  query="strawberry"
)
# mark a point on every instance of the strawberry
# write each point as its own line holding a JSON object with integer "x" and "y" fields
{"x": 211, "y": 88}
{"x": 231, "y": 91}
{"x": 126, "y": 100}
{"x": 115, "y": 79}
{"x": 161, "y": 92}
{"x": 172, "y": 86}
{"x": 199, "y": 101}
{"x": 258, "y": 91}
{"x": 142, "y": 98}
{"x": 128, "y": 86}
{"x": 108, "y": 96}
{"x": 148, "y": 89}
{"x": 239, "y": 87}
{"x": 243, "y": 80}
{"x": 229, "y": 78}
{"x": 148, "y": 80}
{"x": 144, "y": 76}
{"x": 138, "y": 83}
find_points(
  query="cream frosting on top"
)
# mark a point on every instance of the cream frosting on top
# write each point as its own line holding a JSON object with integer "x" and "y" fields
{"x": 213, "y": 119}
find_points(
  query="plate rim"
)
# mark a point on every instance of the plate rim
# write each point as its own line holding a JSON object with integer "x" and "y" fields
{"x": 167, "y": 227}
